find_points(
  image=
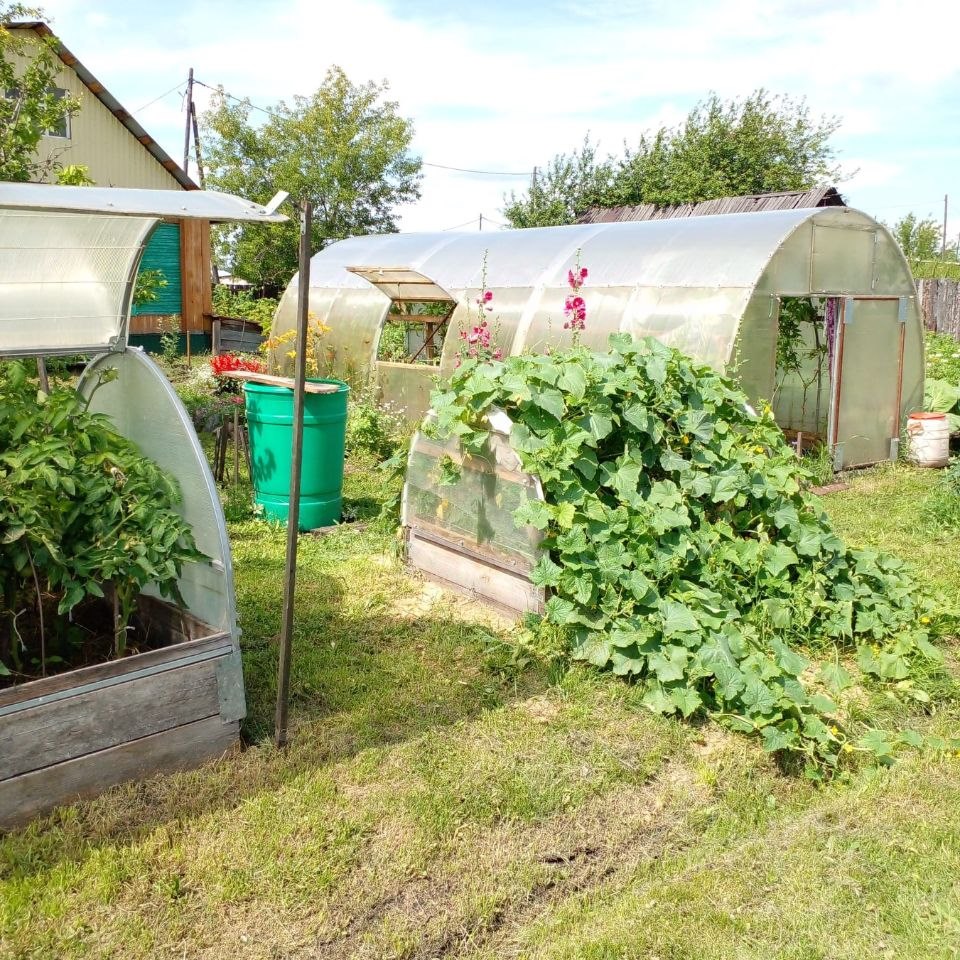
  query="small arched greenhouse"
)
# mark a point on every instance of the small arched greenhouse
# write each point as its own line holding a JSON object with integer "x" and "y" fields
{"x": 69, "y": 258}
{"x": 811, "y": 310}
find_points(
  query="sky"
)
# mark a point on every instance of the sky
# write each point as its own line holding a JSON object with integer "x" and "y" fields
{"x": 504, "y": 85}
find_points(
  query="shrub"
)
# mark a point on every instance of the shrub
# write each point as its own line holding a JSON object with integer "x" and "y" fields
{"x": 244, "y": 305}
{"x": 681, "y": 549}
{"x": 372, "y": 430}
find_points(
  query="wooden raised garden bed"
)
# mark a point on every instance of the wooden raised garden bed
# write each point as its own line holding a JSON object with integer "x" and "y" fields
{"x": 75, "y": 734}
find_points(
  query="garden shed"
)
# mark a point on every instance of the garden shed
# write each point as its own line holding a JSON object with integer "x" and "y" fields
{"x": 720, "y": 288}
{"x": 68, "y": 260}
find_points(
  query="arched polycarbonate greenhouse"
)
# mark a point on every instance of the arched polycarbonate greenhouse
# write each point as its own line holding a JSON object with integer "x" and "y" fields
{"x": 68, "y": 264}
{"x": 723, "y": 289}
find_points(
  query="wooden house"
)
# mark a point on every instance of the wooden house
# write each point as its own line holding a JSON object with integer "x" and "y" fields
{"x": 106, "y": 138}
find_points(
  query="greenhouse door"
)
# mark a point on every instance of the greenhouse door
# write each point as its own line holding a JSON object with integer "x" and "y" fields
{"x": 868, "y": 380}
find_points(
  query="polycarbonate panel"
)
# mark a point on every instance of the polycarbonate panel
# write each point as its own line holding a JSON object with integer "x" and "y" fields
{"x": 788, "y": 273}
{"x": 843, "y": 260}
{"x": 755, "y": 351}
{"x": 65, "y": 279}
{"x": 868, "y": 415}
{"x": 126, "y": 201}
{"x": 406, "y": 386}
{"x": 144, "y": 408}
{"x": 475, "y": 512}
{"x": 701, "y": 323}
{"x": 911, "y": 399}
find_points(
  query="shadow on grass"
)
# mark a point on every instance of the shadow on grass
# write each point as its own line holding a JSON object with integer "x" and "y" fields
{"x": 364, "y": 676}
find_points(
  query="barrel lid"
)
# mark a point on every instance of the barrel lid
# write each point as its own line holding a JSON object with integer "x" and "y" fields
{"x": 927, "y": 416}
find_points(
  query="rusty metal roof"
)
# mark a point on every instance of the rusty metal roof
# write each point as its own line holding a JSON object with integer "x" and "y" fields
{"x": 787, "y": 200}
{"x": 109, "y": 101}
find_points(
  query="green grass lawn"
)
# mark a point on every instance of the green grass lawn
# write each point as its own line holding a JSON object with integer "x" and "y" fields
{"x": 442, "y": 799}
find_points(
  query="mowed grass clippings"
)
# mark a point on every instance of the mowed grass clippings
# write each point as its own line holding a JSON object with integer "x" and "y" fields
{"x": 438, "y": 801}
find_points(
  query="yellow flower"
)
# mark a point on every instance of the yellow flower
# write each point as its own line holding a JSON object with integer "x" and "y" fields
{"x": 684, "y": 439}
{"x": 758, "y": 449}
{"x": 847, "y": 748}
{"x": 924, "y": 619}
{"x": 835, "y": 731}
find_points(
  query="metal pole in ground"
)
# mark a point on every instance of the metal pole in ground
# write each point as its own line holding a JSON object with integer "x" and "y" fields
{"x": 293, "y": 517}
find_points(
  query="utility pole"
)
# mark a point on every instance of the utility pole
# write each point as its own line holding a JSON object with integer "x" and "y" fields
{"x": 186, "y": 136}
{"x": 481, "y": 222}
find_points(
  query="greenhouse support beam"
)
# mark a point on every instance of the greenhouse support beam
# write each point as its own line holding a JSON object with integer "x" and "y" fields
{"x": 293, "y": 517}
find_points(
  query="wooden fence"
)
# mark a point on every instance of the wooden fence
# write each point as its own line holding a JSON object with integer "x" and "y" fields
{"x": 940, "y": 303}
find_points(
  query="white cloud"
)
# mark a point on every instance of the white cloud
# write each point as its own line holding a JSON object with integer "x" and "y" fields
{"x": 488, "y": 93}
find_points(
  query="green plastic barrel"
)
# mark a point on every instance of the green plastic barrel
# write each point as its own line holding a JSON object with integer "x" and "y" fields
{"x": 270, "y": 422}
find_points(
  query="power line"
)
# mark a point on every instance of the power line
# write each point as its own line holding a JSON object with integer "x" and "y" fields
{"x": 491, "y": 173}
{"x": 457, "y": 226}
{"x": 158, "y": 99}
{"x": 438, "y": 166}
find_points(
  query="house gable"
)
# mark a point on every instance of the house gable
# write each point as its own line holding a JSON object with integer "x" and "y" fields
{"x": 104, "y": 137}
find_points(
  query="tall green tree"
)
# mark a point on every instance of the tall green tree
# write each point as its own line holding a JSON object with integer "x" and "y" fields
{"x": 30, "y": 104}
{"x": 344, "y": 148}
{"x": 759, "y": 144}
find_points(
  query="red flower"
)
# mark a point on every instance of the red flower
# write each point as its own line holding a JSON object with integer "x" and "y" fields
{"x": 226, "y": 362}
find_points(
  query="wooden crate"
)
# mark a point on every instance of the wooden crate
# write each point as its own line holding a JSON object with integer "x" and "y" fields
{"x": 75, "y": 734}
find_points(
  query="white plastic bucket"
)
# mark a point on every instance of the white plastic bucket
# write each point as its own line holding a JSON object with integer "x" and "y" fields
{"x": 929, "y": 435}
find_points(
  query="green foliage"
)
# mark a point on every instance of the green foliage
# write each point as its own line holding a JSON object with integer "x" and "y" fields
{"x": 941, "y": 507}
{"x": 922, "y": 245}
{"x": 75, "y": 175}
{"x": 942, "y": 357}
{"x": 560, "y": 192}
{"x": 758, "y": 144}
{"x": 344, "y": 148}
{"x": 942, "y": 396}
{"x": 681, "y": 549}
{"x": 170, "y": 339}
{"x": 28, "y": 70}
{"x": 372, "y": 430}
{"x": 147, "y": 287}
{"x": 80, "y": 508}
{"x": 245, "y": 306}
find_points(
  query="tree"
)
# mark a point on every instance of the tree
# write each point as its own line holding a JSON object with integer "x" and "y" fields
{"x": 922, "y": 245}
{"x": 566, "y": 187}
{"x": 344, "y": 148}
{"x": 759, "y": 144}
{"x": 30, "y": 104}
{"x": 919, "y": 239}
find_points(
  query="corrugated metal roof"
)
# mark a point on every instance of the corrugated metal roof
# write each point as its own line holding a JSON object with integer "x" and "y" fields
{"x": 787, "y": 200}
{"x": 110, "y": 102}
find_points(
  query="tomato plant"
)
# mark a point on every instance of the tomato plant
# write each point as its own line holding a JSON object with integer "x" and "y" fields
{"x": 80, "y": 509}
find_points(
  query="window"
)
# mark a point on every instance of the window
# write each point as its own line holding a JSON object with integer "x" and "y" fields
{"x": 416, "y": 322}
{"x": 413, "y": 331}
{"x": 62, "y": 129}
